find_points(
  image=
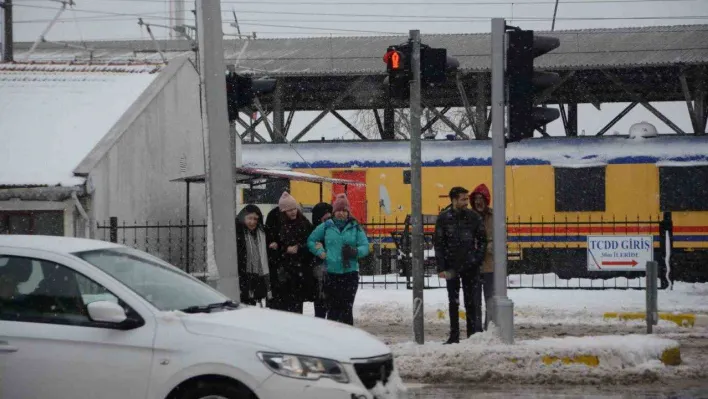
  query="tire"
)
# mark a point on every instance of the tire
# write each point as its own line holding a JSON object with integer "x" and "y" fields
{"x": 216, "y": 390}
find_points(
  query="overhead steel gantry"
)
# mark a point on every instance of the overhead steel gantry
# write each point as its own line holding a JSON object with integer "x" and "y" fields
{"x": 638, "y": 66}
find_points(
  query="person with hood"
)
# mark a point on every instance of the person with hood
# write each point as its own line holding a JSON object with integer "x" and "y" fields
{"x": 320, "y": 214}
{"x": 480, "y": 199}
{"x": 252, "y": 256}
{"x": 340, "y": 242}
{"x": 294, "y": 261}
{"x": 460, "y": 244}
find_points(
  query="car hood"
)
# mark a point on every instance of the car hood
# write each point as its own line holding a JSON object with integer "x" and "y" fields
{"x": 287, "y": 333}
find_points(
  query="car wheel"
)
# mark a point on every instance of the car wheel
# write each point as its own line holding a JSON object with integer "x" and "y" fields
{"x": 216, "y": 390}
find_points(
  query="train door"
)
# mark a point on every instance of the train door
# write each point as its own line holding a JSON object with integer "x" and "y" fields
{"x": 355, "y": 194}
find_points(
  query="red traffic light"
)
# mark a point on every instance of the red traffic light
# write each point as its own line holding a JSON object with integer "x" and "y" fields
{"x": 393, "y": 59}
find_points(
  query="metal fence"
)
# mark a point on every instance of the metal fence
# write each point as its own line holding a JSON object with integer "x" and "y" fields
{"x": 181, "y": 244}
{"x": 542, "y": 253}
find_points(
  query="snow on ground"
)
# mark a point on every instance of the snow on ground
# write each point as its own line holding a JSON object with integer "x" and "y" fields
{"x": 532, "y": 306}
{"x": 484, "y": 357}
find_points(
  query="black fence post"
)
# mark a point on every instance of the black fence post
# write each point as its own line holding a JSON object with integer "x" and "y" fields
{"x": 113, "y": 229}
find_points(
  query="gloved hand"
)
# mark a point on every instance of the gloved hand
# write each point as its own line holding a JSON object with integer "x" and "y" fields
{"x": 349, "y": 252}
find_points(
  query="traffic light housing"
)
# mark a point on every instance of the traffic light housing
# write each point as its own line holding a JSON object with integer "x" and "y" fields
{"x": 434, "y": 65}
{"x": 241, "y": 90}
{"x": 523, "y": 83}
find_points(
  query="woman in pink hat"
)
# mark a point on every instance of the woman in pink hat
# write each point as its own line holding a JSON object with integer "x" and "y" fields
{"x": 340, "y": 242}
{"x": 293, "y": 261}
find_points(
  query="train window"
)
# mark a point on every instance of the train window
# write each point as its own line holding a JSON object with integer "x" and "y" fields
{"x": 683, "y": 188}
{"x": 580, "y": 189}
{"x": 407, "y": 177}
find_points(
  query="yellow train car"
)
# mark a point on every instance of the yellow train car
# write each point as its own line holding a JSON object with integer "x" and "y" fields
{"x": 558, "y": 191}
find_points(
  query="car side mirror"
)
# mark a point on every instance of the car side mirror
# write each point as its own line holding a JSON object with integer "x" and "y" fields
{"x": 106, "y": 312}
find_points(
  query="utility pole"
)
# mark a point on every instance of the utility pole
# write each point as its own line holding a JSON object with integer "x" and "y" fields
{"x": 416, "y": 192}
{"x": 7, "y": 50}
{"x": 218, "y": 159}
{"x": 177, "y": 15}
{"x": 503, "y": 306}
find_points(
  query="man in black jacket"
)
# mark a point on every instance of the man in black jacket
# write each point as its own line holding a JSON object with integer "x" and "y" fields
{"x": 460, "y": 243}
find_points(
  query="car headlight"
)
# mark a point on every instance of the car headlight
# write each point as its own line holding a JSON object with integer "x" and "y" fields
{"x": 304, "y": 367}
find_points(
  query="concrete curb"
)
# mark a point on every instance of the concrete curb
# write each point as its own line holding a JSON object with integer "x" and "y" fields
{"x": 680, "y": 319}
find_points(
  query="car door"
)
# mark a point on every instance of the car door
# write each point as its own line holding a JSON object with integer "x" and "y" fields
{"x": 5, "y": 351}
{"x": 60, "y": 351}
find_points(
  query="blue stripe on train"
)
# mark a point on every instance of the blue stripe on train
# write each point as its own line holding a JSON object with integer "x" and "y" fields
{"x": 472, "y": 161}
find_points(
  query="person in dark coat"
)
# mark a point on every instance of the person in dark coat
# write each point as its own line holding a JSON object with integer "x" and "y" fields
{"x": 460, "y": 243}
{"x": 320, "y": 213}
{"x": 252, "y": 256}
{"x": 272, "y": 224}
{"x": 294, "y": 262}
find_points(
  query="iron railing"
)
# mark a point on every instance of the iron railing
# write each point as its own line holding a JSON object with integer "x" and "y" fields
{"x": 542, "y": 253}
{"x": 181, "y": 244}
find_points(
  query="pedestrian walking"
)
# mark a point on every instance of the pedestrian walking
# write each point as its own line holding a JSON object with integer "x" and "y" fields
{"x": 460, "y": 243}
{"x": 294, "y": 260}
{"x": 252, "y": 256}
{"x": 340, "y": 242}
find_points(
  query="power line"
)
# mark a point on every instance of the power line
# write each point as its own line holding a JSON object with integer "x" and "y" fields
{"x": 415, "y": 18}
{"x": 407, "y": 3}
{"x": 256, "y": 22}
{"x": 103, "y": 16}
{"x": 462, "y": 3}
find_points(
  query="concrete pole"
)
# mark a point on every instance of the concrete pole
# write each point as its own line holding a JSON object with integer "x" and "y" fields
{"x": 416, "y": 193}
{"x": 504, "y": 308}
{"x": 218, "y": 159}
{"x": 7, "y": 48}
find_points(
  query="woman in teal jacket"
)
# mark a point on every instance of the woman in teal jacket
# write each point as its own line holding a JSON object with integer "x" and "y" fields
{"x": 340, "y": 242}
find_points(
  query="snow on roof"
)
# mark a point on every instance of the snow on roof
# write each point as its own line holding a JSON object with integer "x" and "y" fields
{"x": 51, "y": 118}
{"x": 560, "y": 151}
{"x": 587, "y": 48}
{"x": 248, "y": 175}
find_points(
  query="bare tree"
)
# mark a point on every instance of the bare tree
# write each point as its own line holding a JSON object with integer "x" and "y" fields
{"x": 366, "y": 122}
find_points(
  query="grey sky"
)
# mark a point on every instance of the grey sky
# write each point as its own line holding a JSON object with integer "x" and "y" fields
{"x": 117, "y": 19}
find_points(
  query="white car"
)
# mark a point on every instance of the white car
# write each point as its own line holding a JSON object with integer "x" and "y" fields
{"x": 88, "y": 319}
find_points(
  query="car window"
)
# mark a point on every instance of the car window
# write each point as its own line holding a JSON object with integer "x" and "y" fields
{"x": 40, "y": 291}
{"x": 159, "y": 283}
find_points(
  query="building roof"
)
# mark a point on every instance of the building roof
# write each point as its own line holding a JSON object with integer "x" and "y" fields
{"x": 40, "y": 193}
{"x": 51, "y": 116}
{"x": 257, "y": 175}
{"x": 579, "y": 49}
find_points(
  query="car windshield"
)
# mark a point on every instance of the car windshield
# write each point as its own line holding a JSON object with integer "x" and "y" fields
{"x": 161, "y": 284}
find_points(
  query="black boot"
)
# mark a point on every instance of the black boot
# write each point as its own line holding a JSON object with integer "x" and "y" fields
{"x": 454, "y": 339}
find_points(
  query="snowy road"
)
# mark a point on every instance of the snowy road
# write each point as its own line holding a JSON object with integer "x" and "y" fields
{"x": 683, "y": 389}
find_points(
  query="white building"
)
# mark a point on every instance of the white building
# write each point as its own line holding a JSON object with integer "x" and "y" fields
{"x": 84, "y": 143}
